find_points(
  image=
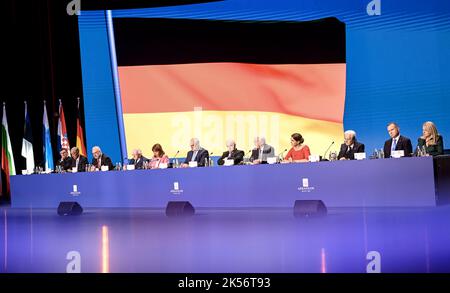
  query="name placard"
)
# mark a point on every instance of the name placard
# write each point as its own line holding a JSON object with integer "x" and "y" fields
{"x": 360, "y": 156}
{"x": 398, "y": 154}
{"x": 228, "y": 162}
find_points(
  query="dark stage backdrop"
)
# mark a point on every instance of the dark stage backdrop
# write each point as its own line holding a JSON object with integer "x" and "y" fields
{"x": 42, "y": 61}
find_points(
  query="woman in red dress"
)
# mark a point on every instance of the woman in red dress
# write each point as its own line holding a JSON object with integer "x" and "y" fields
{"x": 299, "y": 152}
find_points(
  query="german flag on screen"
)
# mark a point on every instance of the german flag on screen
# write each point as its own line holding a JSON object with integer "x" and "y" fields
{"x": 225, "y": 79}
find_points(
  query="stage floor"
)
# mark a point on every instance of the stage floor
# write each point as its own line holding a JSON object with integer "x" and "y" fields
{"x": 219, "y": 240}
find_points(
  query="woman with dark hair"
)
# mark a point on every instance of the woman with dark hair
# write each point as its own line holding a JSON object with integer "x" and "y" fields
{"x": 159, "y": 157}
{"x": 299, "y": 151}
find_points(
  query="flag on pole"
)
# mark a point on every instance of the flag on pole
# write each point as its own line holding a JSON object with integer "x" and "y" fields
{"x": 7, "y": 154}
{"x": 63, "y": 140}
{"x": 27, "y": 142}
{"x": 48, "y": 154}
{"x": 80, "y": 140}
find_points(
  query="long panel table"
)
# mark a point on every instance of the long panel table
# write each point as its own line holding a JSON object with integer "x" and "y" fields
{"x": 404, "y": 182}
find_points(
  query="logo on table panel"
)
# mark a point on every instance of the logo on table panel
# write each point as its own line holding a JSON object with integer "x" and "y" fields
{"x": 75, "y": 191}
{"x": 176, "y": 189}
{"x": 305, "y": 186}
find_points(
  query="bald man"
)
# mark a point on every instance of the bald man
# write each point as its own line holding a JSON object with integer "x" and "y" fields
{"x": 232, "y": 154}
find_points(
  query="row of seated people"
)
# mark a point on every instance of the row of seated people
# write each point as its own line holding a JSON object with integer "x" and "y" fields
{"x": 430, "y": 140}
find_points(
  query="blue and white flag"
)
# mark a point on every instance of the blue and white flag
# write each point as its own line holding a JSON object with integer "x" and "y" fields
{"x": 48, "y": 153}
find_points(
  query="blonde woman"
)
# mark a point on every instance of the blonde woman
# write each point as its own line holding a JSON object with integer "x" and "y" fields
{"x": 433, "y": 142}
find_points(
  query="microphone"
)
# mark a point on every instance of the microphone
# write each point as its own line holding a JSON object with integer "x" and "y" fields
{"x": 176, "y": 154}
{"x": 243, "y": 159}
{"x": 281, "y": 155}
{"x": 324, "y": 155}
{"x": 171, "y": 165}
{"x": 209, "y": 159}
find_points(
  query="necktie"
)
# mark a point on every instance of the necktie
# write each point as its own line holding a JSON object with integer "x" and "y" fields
{"x": 394, "y": 144}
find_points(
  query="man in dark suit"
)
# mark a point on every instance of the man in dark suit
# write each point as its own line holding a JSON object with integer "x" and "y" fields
{"x": 397, "y": 142}
{"x": 261, "y": 152}
{"x": 350, "y": 146}
{"x": 196, "y": 154}
{"x": 65, "y": 161}
{"x": 138, "y": 159}
{"x": 78, "y": 161}
{"x": 99, "y": 159}
{"x": 232, "y": 154}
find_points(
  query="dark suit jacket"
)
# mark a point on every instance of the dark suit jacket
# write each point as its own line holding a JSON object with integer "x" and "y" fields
{"x": 66, "y": 164}
{"x": 105, "y": 160}
{"x": 200, "y": 158}
{"x": 403, "y": 143}
{"x": 82, "y": 162}
{"x": 139, "y": 164}
{"x": 357, "y": 148}
{"x": 236, "y": 155}
{"x": 434, "y": 150}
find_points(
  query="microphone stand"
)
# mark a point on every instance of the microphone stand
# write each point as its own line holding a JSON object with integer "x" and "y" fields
{"x": 324, "y": 155}
{"x": 281, "y": 156}
{"x": 173, "y": 163}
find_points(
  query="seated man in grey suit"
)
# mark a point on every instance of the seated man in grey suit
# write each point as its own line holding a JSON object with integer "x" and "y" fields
{"x": 196, "y": 154}
{"x": 262, "y": 151}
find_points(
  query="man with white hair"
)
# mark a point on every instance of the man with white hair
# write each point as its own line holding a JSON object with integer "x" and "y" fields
{"x": 350, "y": 146}
{"x": 138, "y": 159}
{"x": 78, "y": 161}
{"x": 232, "y": 154}
{"x": 196, "y": 154}
{"x": 262, "y": 151}
{"x": 100, "y": 159}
